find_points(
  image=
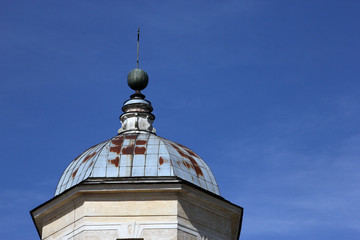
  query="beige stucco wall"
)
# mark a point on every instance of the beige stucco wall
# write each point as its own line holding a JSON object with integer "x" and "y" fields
{"x": 150, "y": 214}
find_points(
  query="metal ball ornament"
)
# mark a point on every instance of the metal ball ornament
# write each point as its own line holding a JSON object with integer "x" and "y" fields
{"x": 137, "y": 79}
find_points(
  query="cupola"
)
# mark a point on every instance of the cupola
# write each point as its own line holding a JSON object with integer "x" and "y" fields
{"x": 136, "y": 151}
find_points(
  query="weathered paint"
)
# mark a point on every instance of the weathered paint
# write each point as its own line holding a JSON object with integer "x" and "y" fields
{"x": 186, "y": 164}
{"x": 116, "y": 144}
{"x": 74, "y": 173}
{"x": 88, "y": 157}
{"x": 118, "y": 141}
{"x": 141, "y": 154}
{"x": 141, "y": 142}
{"x": 133, "y": 136}
{"x": 191, "y": 159}
{"x": 115, "y": 161}
{"x": 128, "y": 149}
{"x": 140, "y": 150}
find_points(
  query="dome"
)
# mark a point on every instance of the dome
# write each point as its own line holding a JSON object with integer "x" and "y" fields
{"x": 138, "y": 154}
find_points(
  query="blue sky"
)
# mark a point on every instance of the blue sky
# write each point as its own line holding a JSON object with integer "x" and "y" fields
{"x": 267, "y": 92}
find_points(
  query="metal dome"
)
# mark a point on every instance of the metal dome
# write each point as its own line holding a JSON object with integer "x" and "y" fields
{"x": 138, "y": 154}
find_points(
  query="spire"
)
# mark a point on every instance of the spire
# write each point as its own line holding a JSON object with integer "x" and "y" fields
{"x": 137, "y": 110}
{"x": 138, "y": 42}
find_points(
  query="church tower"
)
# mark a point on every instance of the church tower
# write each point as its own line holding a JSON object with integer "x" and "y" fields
{"x": 137, "y": 186}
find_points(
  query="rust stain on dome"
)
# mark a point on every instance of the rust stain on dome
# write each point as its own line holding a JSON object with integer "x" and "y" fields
{"x": 88, "y": 157}
{"x": 186, "y": 164}
{"x": 118, "y": 141}
{"x": 191, "y": 152}
{"x": 195, "y": 165}
{"x": 117, "y": 144}
{"x": 161, "y": 161}
{"x": 115, "y": 149}
{"x": 128, "y": 149}
{"x": 140, "y": 150}
{"x": 74, "y": 173}
{"x": 188, "y": 150}
{"x": 115, "y": 161}
{"x": 141, "y": 142}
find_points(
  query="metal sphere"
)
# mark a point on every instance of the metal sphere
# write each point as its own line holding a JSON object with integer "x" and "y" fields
{"x": 137, "y": 79}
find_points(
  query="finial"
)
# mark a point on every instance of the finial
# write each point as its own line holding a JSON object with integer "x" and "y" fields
{"x": 137, "y": 79}
{"x": 137, "y": 59}
{"x": 137, "y": 110}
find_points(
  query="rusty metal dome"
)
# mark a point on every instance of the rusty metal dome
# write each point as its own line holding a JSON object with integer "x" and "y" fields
{"x": 137, "y": 151}
{"x": 138, "y": 154}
